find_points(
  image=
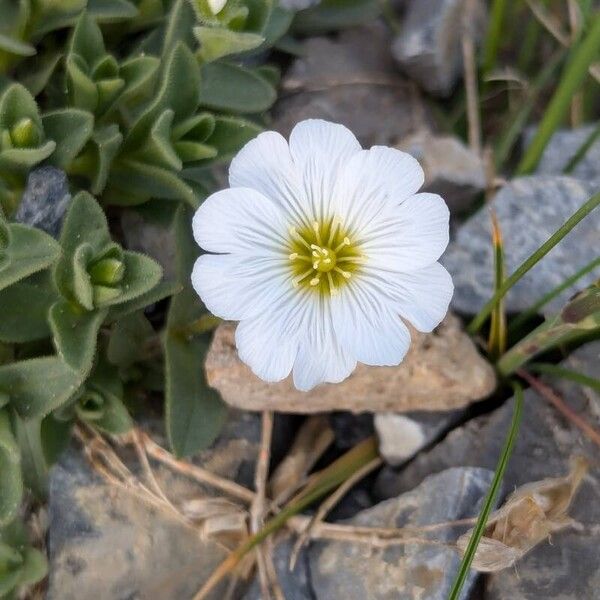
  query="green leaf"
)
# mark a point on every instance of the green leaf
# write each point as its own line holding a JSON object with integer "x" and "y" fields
{"x": 232, "y": 88}
{"x": 278, "y": 24}
{"x": 110, "y": 11}
{"x": 29, "y": 250}
{"x": 11, "y": 483}
{"x": 177, "y": 27}
{"x": 33, "y": 461}
{"x": 231, "y": 134}
{"x": 70, "y": 128}
{"x": 75, "y": 335}
{"x": 104, "y": 147}
{"x": 36, "y": 73}
{"x": 128, "y": 337}
{"x": 101, "y": 404}
{"x": 134, "y": 183}
{"x": 574, "y": 73}
{"x": 532, "y": 260}
{"x": 163, "y": 290}
{"x": 86, "y": 40}
{"x": 15, "y": 46}
{"x": 216, "y": 42}
{"x": 39, "y": 385}
{"x": 490, "y": 499}
{"x": 194, "y": 412}
{"x": 25, "y": 307}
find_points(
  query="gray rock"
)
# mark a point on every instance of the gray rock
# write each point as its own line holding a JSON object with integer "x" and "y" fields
{"x": 352, "y": 80}
{"x": 142, "y": 234}
{"x": 45, "y": 200}
{"x": 295, "y": 584}
{"x": 428, "y": 48}
{"x": 567, "y": 568}
{"x": 108, "y": 543}
{"x": 357, "y": 571}
{"x": 451, "y": 168}
{"x": 563, "y": 146}
{"x": 401, "y": 436}
{"x": 105, "y": 543}
{"x": 530, "y": 210}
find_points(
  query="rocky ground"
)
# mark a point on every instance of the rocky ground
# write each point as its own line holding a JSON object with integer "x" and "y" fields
{"x": 439, "y": 433}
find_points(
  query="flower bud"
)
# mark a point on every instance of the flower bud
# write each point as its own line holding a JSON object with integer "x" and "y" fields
{"x": 104, "y": 294}
{"x": 108, "y": 271}
{"x": 25, "y": 134}
{"x": 216, "y": 6}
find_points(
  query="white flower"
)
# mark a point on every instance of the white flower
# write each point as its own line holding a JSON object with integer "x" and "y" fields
{"x": 320, "y": 249}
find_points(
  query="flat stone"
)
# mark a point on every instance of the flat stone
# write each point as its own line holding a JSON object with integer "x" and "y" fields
{"x": 428, "y": 47}
{"x": 567, "y": 568}
{"x": 441, "y": 371}
{"x": 401, "y": 436}
{"x": 105, "y": 542}
{"x": 452, "y": 170}
{"x": 45, "y": 200}
{"x": 295, "y": 584}
{"x": 563, "y": 146}
{"x": 351, "y": 80}
{"x": 530, "y": 210}
{"x": 357, "y": 571}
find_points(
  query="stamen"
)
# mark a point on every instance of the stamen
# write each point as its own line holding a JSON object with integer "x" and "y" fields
{"x": 345, "y": 242}
{"x": 343, "y": 273}
{"x": 326, "y": 261}
{"x": 294, "y": 256}
{"x": 315, "y": 281}
{"x": 332, "y": 289}
{"x": 294, "y": 233}
{"x": 316, "y": 265}
{"x": 315, "y": 254}
{"x": 299, "y": 278}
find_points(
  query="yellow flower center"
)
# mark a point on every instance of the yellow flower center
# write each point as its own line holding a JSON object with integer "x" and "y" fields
{"x": 323, "y": 257}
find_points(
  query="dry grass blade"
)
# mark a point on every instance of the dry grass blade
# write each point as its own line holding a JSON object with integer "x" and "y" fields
{"x": 313, "y": 438}
{"x": 194, "y": 472}
{"x": 470, "y": 76}
{"x": 266, "y": 572}
{"x": 529, "y": 516}
{"x": 329, "y": 503}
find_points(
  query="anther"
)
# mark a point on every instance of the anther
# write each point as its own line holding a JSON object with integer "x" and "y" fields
{"x": 314, "y": 281}
{"x": 343, "y": 273}
{"x": 293, "y": 256}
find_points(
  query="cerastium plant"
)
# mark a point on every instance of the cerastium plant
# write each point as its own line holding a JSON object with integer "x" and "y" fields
{"x": 135, "y": 101}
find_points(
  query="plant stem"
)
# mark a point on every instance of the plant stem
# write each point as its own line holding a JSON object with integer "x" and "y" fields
{"x": 572, "y": 77}
{"x": 490, "y": 499}
{"x": 568, "y": 374}
{"x": 534, "y": 308}
{"x": 532, "y": 260}
{"x": 582, "y": 151}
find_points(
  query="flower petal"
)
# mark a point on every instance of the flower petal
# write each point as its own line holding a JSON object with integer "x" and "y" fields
{"x": 372, "y": 178}
{"x": 265, "y": 164}
{"x": 237, "y": 287}
{"x": 409, "y": 236}
{"x": 421, "y": 297}
{"x": 319, "y": 150}
{"x": 240, "y": 220}
{"x": 268, "y": 342}
{"x": 367, "y": 327}
{"x": 321, "y": 359}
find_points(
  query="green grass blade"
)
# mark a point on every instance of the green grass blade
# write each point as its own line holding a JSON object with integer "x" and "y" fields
{"x": 582, "y": 150}
{"x": 570, "y": 375}
{"x": 574, "y": 73}
{"x": 497, "y": 336}
{"x": 494, "y": 35}
{"x": 518, "y": 119}
{"x": 484, "y": 514}
{"x": 532, "y": 260}
{"x": 567, "y": 283}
